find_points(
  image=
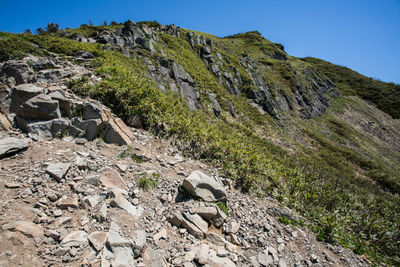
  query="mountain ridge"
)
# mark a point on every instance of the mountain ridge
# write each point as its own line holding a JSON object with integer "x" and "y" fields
{"x": 270, "y": 120}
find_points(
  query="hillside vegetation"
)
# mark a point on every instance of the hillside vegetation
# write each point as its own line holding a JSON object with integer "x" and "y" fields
{"x": 337, "y": 167}
{"x": 386, "y": 96}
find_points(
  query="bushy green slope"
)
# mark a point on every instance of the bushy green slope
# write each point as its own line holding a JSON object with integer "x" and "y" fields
{"x": 386, "y": 96}
{"x": 338, "y": 176}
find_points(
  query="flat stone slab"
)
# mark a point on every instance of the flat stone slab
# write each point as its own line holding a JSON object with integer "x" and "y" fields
{"x": 58, "y": 170}
{"x": 98, "y": 239}
{"x": 112, "y": 179}
{"x": 203, "y": 186}
{"x": 120, "y": 201}
{"x": 11, "y": 145}
{"x": 29, "y": 229}
{"x": 76, "y": 237}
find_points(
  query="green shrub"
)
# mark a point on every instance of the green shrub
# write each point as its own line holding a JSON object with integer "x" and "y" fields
{"x": 148, "y": 183}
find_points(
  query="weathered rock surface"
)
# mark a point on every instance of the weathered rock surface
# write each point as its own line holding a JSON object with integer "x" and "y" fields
{"x": 40, "y": 107}
{"x": 112, "y": 179}
{"x": 203, "y": 186}
{"x": 22, "y": 93}
{"x": 27, "y": 228}
{"x": 11, "y": 145}
{"x": 58, "y": 170}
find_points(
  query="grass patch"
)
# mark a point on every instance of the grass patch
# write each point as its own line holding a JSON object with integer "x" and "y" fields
{"x": 148, "y": 183}
{"x": 223, "y": 207}
{"x": 136, "y": 158}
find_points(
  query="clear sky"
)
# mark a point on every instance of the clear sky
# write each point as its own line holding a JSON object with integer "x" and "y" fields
{"x": 360, "y": 34}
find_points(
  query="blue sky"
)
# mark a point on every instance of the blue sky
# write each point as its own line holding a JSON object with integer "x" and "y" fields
{"x": 362, "y": 35}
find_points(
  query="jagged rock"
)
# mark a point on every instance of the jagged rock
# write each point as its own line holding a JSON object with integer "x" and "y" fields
{"x": 112, "y": 179}
{"x": 98, "y": 239}
{"x": 91, "y": 201}
{"x": 231, "y": 108}
{"x": 162, "y": 234}
{"x": 231, "y": 227}
{"x": 201, "y": 185}
{"x": 64, "y": 104}
{"x": 154, "y": 258}
{"x": 42, "y": 130}
{"x": 212, "y": 213}
{"x": 81, "y": 163}
{"x": 90, "y": 127}
{"x": 40, "y": 107}
{"x": 78, "y": 37}
{"x": 176, "y": 218}
{"x": 202, "y": 254}
{"x": 215, "y": 104}
{"x": 68, "y": 202}
{"x": 27, "y": 228}
{"x": 54, "y": 75}
{"x": 11, "y": 145}
{"x": 191, "y": 94}
{"x": 43, "y": 63}
{"x": 119, "y": 200}
{"x": 120, "y": 246}
{"x": 4, "y": 123}
{"x": 58, "y": 170}
{"x": 215, "y": 239}
{"x": 139, "y": 240}
{"x": 75, "y": 238}
{"x": 22, "y": 93}
{"x": 216, "y": 261}
{"x": 53, "y": 234}
{"x": 180, "y": 73}
{"x": 20, "y": 72}
{"x": 194, "y": 224}
{"x": 205, "y": 50}
{"x": 215, "y": 69}
{"x": 93, "y": 112}
{"x": 264, "y": 259}
{"x": 116, "y": 132}
{"x": 84, "y": 54}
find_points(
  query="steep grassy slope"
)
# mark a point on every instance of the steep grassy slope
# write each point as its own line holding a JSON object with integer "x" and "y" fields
{"x": 339, "y": 170}
{"x": 386, "y": 96}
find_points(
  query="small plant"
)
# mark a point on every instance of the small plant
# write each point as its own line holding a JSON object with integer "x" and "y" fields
{"x": 284, "y": 220}
{"x": 136, "y": 158}
{"x": 223, "y": 207}
{"x": 147, "y": 183}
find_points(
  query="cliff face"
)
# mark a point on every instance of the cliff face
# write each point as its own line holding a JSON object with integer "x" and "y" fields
{"x": 278, "y": 126}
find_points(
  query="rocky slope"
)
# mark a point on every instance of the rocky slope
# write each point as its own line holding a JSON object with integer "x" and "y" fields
{"x": 134, "y": 142}
{"x": 70, "y": 200}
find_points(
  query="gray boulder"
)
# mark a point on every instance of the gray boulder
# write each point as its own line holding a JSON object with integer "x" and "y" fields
{"x": 65, "y": 104}
{"x": 10, "y": 145}
{"x": 20, "y": 71}
{"x": 216, "y": 107}
{"x": 203, "y": 186}
{"x": 84, "y": 54}
{"x": 22, "y": 93}
{"x": 53, "y": 75}
{"x": 180, "y": 73}
{"x": 58, "y": 170}
{"x": 120, "y": 246}
{"x": 79, "y": 38}
{"x": 90, "y": 127}
{"x": 92, "y": 111}
{"x": 191, "y": 95}
{"x": 39, "y": 107}
{"x": 116, "y": 132}
{"x": 42, "y": 130}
